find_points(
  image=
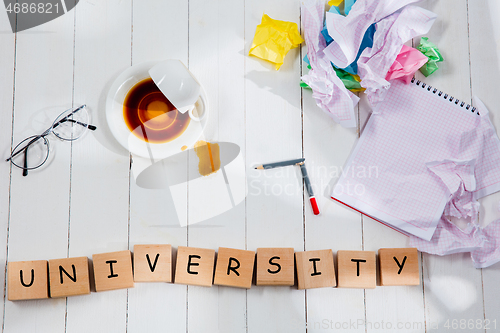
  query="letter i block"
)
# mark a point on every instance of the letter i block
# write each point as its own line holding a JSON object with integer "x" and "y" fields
{"x": 357, "y": 269}
{"x": 27, "y": 280}
{"x": 69, "y": 277}
{"x": 234, "y": 268}
{"x": 315, "y": 269}
{"x": 275, "y": 267}
{"x": 195, "y": 266}
{"x": 153, "y": 263}
{"x": 399, "y": 267}
{"x": 113, "y": 270}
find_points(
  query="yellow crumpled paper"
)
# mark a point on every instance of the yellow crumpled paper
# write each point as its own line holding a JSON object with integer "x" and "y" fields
{"x": 335, "y": 3}
{"x": 273, "y": 39}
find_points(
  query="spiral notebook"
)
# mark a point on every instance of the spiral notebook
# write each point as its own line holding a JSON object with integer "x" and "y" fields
{"x": 419, "y": 148}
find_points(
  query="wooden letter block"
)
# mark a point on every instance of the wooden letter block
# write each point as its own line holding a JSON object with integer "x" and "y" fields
{"x": 275, "y": 267}
{"x": 357, "y": 269}
{"x": 69, "y": 277}
{"x": 399, "y": 267}
{"x": 315, "y": 269}
{"x": 234, "y": 268}
{"x": 27, "y": 280}
{"x": 113, "y": 270}
{"x": 153, "y": 263}
{"x": 195, "y": 266}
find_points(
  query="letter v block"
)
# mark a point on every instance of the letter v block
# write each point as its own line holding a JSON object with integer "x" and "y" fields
{"x": 234, "y": 268}
{"x": 357, "y": 269}
{"x": 69, "y": 277}
{"x": 315, "y": 269}
{"x": 27, "y": 280}
{"x": 399, "y": 267}
{"x": 153, "y": 263}
{"x": 113, "y": 270}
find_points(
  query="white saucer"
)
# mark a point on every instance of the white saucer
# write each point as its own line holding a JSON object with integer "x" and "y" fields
{"x": 116, "y": 122}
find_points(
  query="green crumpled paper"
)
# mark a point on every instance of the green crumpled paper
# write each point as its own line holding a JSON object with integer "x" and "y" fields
{"x": 431, "y": 51}
{"x": 351, "y": 82}
{"x": 273, "y": 39}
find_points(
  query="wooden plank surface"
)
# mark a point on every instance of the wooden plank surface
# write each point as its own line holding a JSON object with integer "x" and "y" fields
{"x": 40, "y": 202}
{"x": 99, "y": 209}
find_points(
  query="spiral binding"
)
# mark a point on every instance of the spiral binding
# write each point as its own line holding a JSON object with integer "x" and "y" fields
{"x": 445, "y": 96}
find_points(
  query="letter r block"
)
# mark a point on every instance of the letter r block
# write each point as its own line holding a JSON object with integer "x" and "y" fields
{"x": 195, "y": 266}
{"x": 234, "y": 268}
{"x": 113, "y": 270}
{"x": 399, "y": 267}
{"x": 27, "y": 280}
{"x": 69, "y": 277}
{"x": 315, "y": 269}
{"x": 357, "y": 269}
{"x": 275, "y": 267}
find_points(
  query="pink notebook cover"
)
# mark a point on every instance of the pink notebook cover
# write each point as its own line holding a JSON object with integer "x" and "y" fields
{"x": 389, "y": 175}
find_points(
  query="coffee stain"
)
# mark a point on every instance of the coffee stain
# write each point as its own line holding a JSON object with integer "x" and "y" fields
{"x": 184, "y": 148}
{"x": 209, "y": 155}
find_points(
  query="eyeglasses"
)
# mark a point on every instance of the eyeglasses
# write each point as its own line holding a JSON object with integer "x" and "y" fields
{"x": 33, "y": 152}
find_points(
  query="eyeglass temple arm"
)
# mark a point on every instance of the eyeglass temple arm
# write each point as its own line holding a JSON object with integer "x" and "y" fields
{"x": 90, "y": 127}
{"x": 25, "y": 168}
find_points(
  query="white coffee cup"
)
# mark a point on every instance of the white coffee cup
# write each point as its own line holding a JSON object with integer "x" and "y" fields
{"x": 177, "y": 83}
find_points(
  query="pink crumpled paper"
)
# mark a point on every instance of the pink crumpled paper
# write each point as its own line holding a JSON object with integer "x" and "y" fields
{"x": 408, "y": 61}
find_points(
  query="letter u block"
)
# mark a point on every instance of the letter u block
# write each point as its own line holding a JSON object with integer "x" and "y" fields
{"x": 113, "y": 270}
{"x": 27, "y": 280}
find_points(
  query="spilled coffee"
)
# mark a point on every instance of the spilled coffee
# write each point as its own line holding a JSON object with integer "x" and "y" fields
{"x": 150, "y": 115}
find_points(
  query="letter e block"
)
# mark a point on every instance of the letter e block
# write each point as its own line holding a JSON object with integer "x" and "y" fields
{"x": 234, "y": 268}
{"x": 153, "y": 263}
{"x": 27, "y": 280}
{"x": 399, "y": 267}
{"x": 315, "y": 269}
{"x": 357, "y": 269}
{"x": 69, "y": 277}
{"x": 113, "y": 270}
{"x": 275, "y": 267}
{"x": 195, "y": 266}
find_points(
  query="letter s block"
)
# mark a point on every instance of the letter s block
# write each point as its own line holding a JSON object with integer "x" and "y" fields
{"x": 113, "y": 270}
{"x": 27, "y": 280}
{"x": 399, "y": 267}
{"x": 275, "y": 267}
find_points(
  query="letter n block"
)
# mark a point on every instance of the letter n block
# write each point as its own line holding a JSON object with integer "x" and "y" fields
{"x": 234, "y": 268}
{"x": 357, "y": 269}
{"x": 399, "y": 267}
{"x": 275, "y": 267}
{"x": 113, "y": 270}
{"x": 315, "y": 269}
{"x": 153, "y": 263}
{"x": 27, "y": 280}
{"x": 195, "y": 266}
{"x": 69, "y": 277}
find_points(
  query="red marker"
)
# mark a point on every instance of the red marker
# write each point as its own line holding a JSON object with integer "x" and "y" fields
{"x": 299, "y": 162}
{"x": 312, "y": 199}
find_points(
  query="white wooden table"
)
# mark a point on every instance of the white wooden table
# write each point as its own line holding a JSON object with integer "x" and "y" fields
{"x": 86, "y": 200}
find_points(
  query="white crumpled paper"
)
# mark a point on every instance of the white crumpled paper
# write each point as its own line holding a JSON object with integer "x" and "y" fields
{"x": 329, "y": 92}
